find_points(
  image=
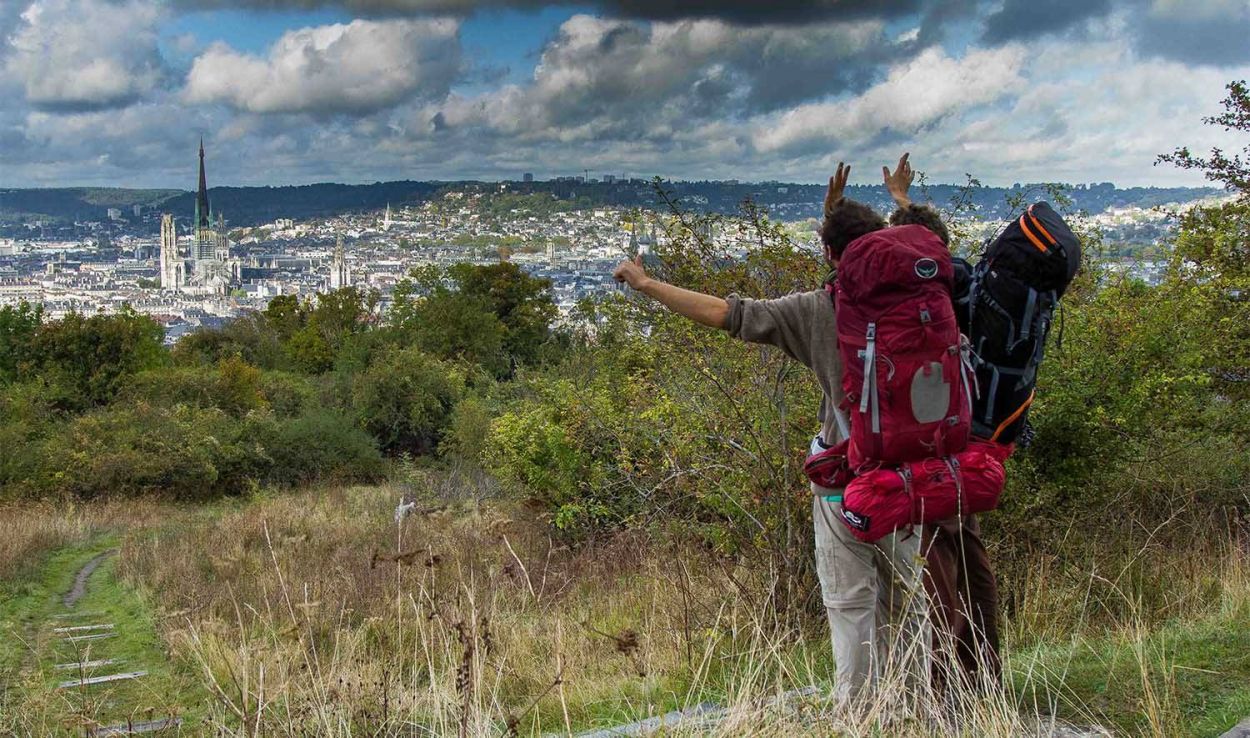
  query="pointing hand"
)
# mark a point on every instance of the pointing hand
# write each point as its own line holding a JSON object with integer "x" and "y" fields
{"x": 631, "y": 273}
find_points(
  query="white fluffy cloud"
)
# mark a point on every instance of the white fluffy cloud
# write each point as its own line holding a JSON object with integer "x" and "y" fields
{"x": 1079, "y": 112}
{"x": 84, "y": 54}
{"x": 914, "y": 95}
{"x": 352, "y": 68}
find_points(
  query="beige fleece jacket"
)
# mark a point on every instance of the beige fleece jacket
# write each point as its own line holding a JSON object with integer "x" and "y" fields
{"x": 803, "y": 326}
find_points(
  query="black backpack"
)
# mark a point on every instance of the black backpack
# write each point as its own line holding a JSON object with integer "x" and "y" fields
{"x": 1005, "y": 306}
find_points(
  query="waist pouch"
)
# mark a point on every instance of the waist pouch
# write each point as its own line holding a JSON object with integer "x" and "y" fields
{"x": 827, "y": 465}
{"x": 878, "y": 502}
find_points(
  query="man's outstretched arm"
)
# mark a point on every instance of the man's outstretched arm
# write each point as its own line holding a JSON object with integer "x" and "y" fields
{"x": 709, "y": 310}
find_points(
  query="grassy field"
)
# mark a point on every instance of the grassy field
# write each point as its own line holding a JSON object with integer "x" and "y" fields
{"x": 315, "y": 613}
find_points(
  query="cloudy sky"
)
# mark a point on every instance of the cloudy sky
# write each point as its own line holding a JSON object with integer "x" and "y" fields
{"x": 118, "y": 92}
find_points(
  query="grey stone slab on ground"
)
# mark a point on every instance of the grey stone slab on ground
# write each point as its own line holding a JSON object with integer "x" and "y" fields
{"x": 92, "y": 637}
{"x": 1072, "y": 731}
{"x": 706, "y": 714}
{"x": 89, "y": 664}
{"x": 82, "y": 628}
{"x": 1240, "y": 730}
{"x": 132, "y": 728}
{"x": 704, "y": 711}
{"x": 101, "y": 679}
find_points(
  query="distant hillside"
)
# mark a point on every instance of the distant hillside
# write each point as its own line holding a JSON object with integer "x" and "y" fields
{"x": 245, "y": 206}
{"x": 241, "y": 205}
{"x": 78, "y": 203}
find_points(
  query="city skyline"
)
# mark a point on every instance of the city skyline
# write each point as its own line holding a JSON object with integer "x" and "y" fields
{"x": 110, "y": 92}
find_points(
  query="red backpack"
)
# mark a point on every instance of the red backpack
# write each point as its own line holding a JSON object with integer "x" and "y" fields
{"x": 905, "y": 370}
{"x": 906, "y": 375}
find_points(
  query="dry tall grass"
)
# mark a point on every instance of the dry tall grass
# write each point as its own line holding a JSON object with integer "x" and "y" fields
{"x": 32, "y": 529}
{"x": 318, "y": 614}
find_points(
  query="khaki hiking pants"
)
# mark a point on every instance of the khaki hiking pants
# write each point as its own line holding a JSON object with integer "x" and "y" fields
{"x": 876, "y": 608}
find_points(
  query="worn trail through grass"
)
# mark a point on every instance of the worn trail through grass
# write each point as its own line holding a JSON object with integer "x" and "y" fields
{"x": 81, "y": 655}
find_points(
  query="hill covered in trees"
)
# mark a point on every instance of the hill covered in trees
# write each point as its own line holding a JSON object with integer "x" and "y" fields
{"x": 248, "y": 206}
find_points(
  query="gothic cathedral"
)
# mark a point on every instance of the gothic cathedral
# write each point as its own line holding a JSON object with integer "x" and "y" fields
{"x": 206, "y": 267}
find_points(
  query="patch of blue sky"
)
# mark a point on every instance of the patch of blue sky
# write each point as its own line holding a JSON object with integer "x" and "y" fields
{"x": 505, "y": 45}
{"x": 247, "y": 30}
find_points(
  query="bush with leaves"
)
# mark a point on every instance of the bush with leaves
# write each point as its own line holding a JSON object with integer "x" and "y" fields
{"x": 496, "y": 315}
{"x": 87, "y": 359}
{"x": 468, "y": 429}
{"x": 18, "y": 326}
{"x": 323, "y": 445}
{"x": 233, "y": 386}
{"x": 183, "y": 451}
{"x": 186, "y": 452}
{"x": 654, "y": 422}
{"x": 405, "y": 399}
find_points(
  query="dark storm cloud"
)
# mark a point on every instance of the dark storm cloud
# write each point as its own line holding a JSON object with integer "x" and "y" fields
{"x": 1029, "y": 19}
{"x": 735, "y": 11}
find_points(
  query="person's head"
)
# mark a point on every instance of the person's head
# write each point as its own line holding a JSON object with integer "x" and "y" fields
{"x": 921, "y": 215}
{"x": 845, "y": 221}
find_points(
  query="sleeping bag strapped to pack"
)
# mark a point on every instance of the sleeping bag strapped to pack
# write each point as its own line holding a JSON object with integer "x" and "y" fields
{"x": 1006, "y": 313}
{"x": 879, "y": 502}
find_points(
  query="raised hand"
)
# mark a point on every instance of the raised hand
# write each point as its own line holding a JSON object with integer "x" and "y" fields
{"x": 837, "y": 183}
{"x": 899, "y": 180}
{"x": 631, "y": 272}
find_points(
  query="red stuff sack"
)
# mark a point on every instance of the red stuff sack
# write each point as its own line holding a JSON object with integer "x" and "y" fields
{"x": 905, "y": 368}
{"x": 879, "y": 502}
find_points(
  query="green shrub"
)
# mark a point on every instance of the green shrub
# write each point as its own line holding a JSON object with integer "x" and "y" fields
{"x": 186, "y": 452}
{"x": 181, "y": 450}
{"x": 18, "y": 326}
{"x": 251, "y": 337}
{"x": 288, "y": 395}
{"x": 653, "y": 421}
{"x": 405, "y": 399}
{"x": 468, "y": 429}
{"x": 323, "y": 445}
{"x": 233, "y": 386}
{"x": 90, "y": 359}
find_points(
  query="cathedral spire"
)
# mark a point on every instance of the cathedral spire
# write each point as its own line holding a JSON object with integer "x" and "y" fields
{"x": 201, "y": 199}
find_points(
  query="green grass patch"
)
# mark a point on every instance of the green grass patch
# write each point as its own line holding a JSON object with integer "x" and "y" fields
{"x": 1183, "y": 679}
{"x": 32, "y": 703}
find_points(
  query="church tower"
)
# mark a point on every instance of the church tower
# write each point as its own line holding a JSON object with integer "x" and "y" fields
{"x": 205, "y": 241}
{"x": 340, "y": 275}
{"x": 172, "y": 269}
{"x": 221, "y": 244}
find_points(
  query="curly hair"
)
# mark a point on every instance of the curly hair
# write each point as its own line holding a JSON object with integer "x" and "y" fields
{"x": 921, "y": 215}
{"x": 845, "y": 221}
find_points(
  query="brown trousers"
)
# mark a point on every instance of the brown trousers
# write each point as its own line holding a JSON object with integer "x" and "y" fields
{"x": 963, "y": 596}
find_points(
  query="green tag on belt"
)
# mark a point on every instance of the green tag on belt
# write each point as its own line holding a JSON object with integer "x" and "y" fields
{"x": 833, "y": 498}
